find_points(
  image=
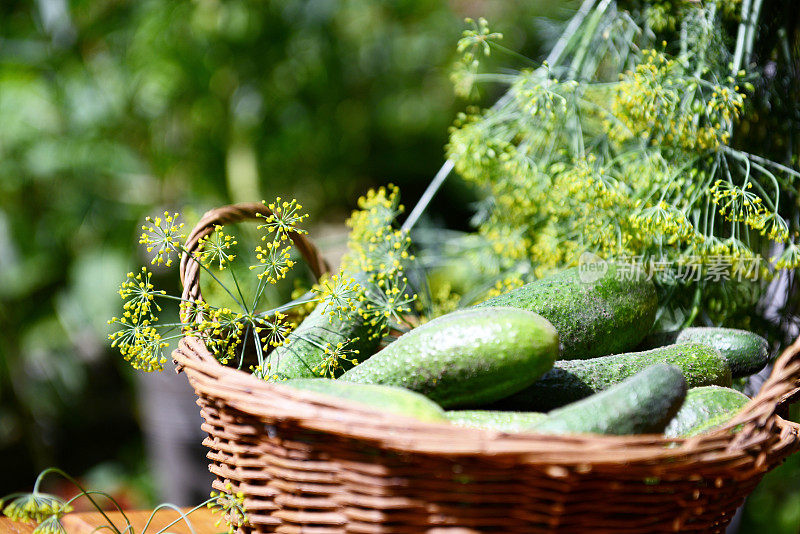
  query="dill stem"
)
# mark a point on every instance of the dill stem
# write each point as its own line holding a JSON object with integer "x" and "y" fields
{"x": 751, "y": 30}
{"x": 698, "y": 292}
{"x": 553, "y": 58}
{"x": 218, "y": 281}
{"x": 587, "y": 38}
{"x": 83, "y": 492}
{"x": 183, "y": 517}
{"x": 740, "y": 37}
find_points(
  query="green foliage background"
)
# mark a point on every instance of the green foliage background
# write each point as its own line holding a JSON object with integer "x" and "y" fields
{"x": 111, "y": 110}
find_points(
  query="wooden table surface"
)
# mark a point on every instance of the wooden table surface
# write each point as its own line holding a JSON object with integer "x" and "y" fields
{"x": 203, "y": 522}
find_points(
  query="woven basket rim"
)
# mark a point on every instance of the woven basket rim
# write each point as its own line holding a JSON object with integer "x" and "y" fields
{"x": 763, "y": 436}
{"x": 275, "y": 403}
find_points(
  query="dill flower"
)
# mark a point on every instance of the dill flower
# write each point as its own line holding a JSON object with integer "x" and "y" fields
{"x": 262, "y": 372}
{"x": 540, "y": 95}
{"x": 444, "y": 300}
{"x": 141, "y": 339}
{"x": 624, "y": 154}
{"x": 35, "y": 507}
{"x": 285, "y": 219}
{"x": 334, "y": 356}
{"x": 738, "y": 204}
{"x": 137, "y": 339}
{"x": 377, "y": 210}
{"x": 505, "y": 285}
{"x": 51, "y": 525}
{"x": 651, "y": 105}
{"x": 771, "y": 225}
{"x": 232, "y": 505}
{"x": 140, "y": 344}
{"x": 214, "y": 247}
{"x": 663, "y": 219}
{"x": 163, "y": 236}
{"x": 139, "y": 295}
{"x": 477, "y": 38}
{"x": 338, "y": 294}
{"x": 274, "y": 261}
{"x": 273, "y": 330}
{"x": 463, "y": 76}
{"x": 351, "y": 299}
{"x": 386, "y": 302}
{"x": 222, "y": 330}
{"x": 191, "y": 311}
{"x": 789, "y": 259}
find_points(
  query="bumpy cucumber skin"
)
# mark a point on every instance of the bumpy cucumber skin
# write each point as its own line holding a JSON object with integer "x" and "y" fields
{"x": 704, "y": 408}
{"x": 642, "y": 404}
{"x": 609, "y": 315}
{"x": 747, "y": 353}
{"x": 495, "y": 420}
{"x": 383, "y": 398}
{"x": 572, "y": 380}
{"x": 466, "y": 357}
{"x": 298, "y": 357}
{"x": 711, "y": 424}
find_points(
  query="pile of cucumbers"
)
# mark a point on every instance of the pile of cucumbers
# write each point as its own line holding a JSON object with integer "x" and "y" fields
{"x": 553, "y": 356}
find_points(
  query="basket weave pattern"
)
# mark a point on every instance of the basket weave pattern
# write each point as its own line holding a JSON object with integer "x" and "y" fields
{"x": 312, "y": 464}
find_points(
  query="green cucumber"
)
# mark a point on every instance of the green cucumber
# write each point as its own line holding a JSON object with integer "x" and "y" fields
{"x": 466, "y": 357}
{"x": 747, "y": 353}
{"x": 572, "y": 380}
{"x": 303, "y": 352}
{"x": 594, "y": 316}
{"x": 642, "y": 404}
{"x": 383, "y": 398}
{"x": 714, "y": 422}
{"x": 494, "y": 420}
{"x": 704, "y": 408}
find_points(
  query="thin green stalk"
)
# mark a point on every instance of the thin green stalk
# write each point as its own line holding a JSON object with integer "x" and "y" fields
{"x": 553, "y": 59}
{"x": 751, "y": 30}
{"x": 763, "y": 161}
{"x": 83, "y": 491}
{"x": 102, "y": 494}
{"x": 238, "y": 289}
{"x": 183, "y": 517}
{"x": 588, "y": 35}
{"x": 741, "y": 157}
{"x": 512, "y": 53}
{"x": 244, "y": 345}
{"x": 129, "y": 528}
{"x": 698, "y": 293}
{"x": 774, "y": 182}
{"x": 703, "y": 187}
{"x": 557, "y": 53}
{"x": 217, "y": 280}
{"x": 741, "y": 34}
{"x": 304, "y": 299}
{"x": 259, "y": 292}
{"x": 259, "y": 351}
{"x": 713, "y": 217}
{"x": 495, "y": 78}
{"x": 168, "y": 325}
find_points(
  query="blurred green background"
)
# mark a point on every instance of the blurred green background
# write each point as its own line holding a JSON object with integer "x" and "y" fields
{"x": 111, "y": 110}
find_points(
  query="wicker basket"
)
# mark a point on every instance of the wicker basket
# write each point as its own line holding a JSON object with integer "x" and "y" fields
{"x": 313, "y": 464}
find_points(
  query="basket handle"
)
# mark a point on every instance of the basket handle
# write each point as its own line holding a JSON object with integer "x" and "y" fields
{"x": 783, "y": 384}
{"x": 782, "y": 387}
{"x": 190, "y": 268}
